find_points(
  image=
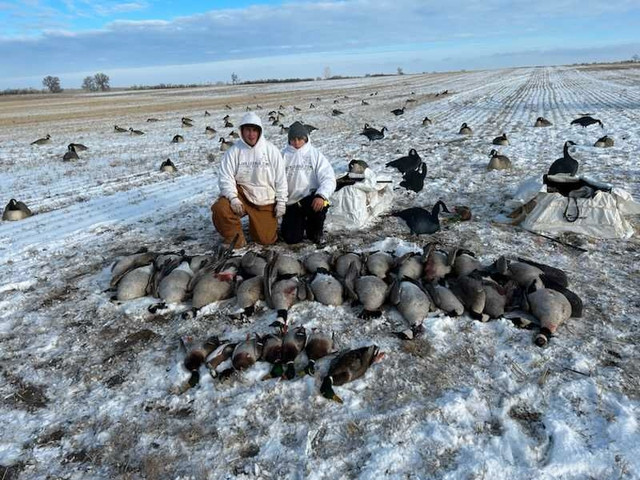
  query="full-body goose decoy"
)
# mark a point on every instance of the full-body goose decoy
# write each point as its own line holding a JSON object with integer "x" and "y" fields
{"x": 567, "y": 164}
{"x": 586, "y": 120}
{"x": 79, "y": 147}
{"x": 177, "y": 139}
{"x": 414, "y": 179}
{"x": 135, "y": 132}
{"x": 411, "y": 162}
{"x": 168, "y": 166}
{"x": 225, "y": 145}
{"x": 373, "y": 133}
{"x": 364, "y": 103}
{"x": 335, "y": 112}
{"x": 498, "y": 162}
{"x": 15, "y": 210}
{"x": 210, "y": 130}
{"x": 542, "y": 122}
{"x": 234, "y": 134}
{"x": 152, "y": 120}
{"x": 604, "y": 142}
{"x": 118, "y": 129}
{"x": 228, "y": 124}
{"x": 398, "y": 111}
{"x": 186, "y": 122}
{"x": 206, "y": 113}
{"x": 420, "y": 221}
{"x": 426, "y": 121}
{"x": 348, "y": 366}
{"x": 70, "y": 154}
{"x": 465, "y": 130}
{"x": 42, "y": 141}
{"x": 501, "y": 140}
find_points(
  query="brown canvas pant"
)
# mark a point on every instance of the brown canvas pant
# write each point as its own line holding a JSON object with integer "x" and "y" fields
{"x": 263, "y": 225}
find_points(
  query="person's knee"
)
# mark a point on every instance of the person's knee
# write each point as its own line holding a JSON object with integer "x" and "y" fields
{"x": 221, "y": 205}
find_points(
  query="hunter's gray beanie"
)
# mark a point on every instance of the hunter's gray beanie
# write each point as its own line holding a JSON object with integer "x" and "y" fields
{"x": 298, "y": 130}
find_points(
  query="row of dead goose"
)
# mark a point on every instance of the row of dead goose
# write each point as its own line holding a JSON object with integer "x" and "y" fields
{"x": 451, "y": 280}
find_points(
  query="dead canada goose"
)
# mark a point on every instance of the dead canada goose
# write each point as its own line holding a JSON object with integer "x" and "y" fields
{"x": 168, "y": 166}
{"x": 464, "y": 262}
{"x": 542, "y": 122}
{"x": 465, "y": 130}
{"x": 225, "y": 145}
{"x": 586, "y": 120}
{"x": 247, "y": 295}
{"x": 135, "y": 132}
{"x": 317, "y": 260}
{"x": 326, "y": 289}
{"x": 426, "y": 121}
{"x": 567, "y": 164}
{"x": 134, "y": 284}
{"x": 15, "y": 210}
{"x": 252, "y": 264}
{"x": 437, "y": 263}
{"x": 498, "y": 162}
{"x": 348, "y": 366}
{"x": 369, "y": 290}
{"x": 209, "y": 286}
{"x": 501, "y": 140}
{"x": 119, "y": 129}
{"x": 445, "y": 299}
{"x": 411, "y": 162}
{"x": 372, "y": 133}
{"x": 412, "y": 302}
{"x": 550, "y": 307}
{"x": 470, "y": 292}
{"x": 280, "y": 294}
{"x": 398, "y": 111}
{"x": 414, "y": 179}
{"x": 210, "y": 130}
{"x": 379, "y": 263}
{"x": 604, "y": 142}
{"x": 420, "y": 221}
{"x": 410, "y": 265}
{"x": 128, "y": 263}
{"x": 173, "y": 287}
{"x": 42, "y": 141}
{"x": 70, "y": 154}
{"x": 343, "y": 264}
{"x": 177, "y": 139}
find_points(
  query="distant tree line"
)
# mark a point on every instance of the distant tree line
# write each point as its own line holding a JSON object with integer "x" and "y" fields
{"x": 97, "y": 82}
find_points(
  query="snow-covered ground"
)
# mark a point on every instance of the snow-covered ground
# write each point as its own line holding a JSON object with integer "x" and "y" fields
{"x": 85, "y": 383}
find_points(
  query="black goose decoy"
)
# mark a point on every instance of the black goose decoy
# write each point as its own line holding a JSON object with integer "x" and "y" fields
{"x": 398, "y": 111}
{"x": 414, "y": 179}
{"x": 71, "y": 154}
{"x": 542, "y": 122}
{"x": 566, "y": 164}
{"x": 310, "y": 128}
{"x": 168, "y": 166}
{"x": 426, "y": 121}
{"x": 42, "y": 141}
{"x": 177, "y": 139}
{"x": 420, "y": 221}
{"x": 604, "y": 142}
{"x": 228, "y": 124}
{"x": 135, "y": 132}
{"x": 586, "y": 120}
{"x": 118, "y": 129}
{"x": 311, "y": 105}
{"x": 206, "y": 113}
{"x": 15, "y": 210}
{"x": 335, "y": 112}
{"x": 364, "y": 102}
{"x": 152, "y": 120}
{"x": 411, "y": 162}
{"x": 372, "y": 133}
{"x": 465, "y": 129}
{"x": 501, "y": 140}
{"x": 79, "y": 147}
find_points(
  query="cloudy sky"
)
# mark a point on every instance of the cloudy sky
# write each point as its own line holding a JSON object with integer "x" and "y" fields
{"x": 191, "y": 41}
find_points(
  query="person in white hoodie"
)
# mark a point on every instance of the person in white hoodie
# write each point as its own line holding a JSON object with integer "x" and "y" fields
{"x": 311, "y": 181}
{"x": 252, "y": 182}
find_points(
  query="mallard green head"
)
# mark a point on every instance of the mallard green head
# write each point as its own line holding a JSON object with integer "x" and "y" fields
{"x": 327, "y": 390}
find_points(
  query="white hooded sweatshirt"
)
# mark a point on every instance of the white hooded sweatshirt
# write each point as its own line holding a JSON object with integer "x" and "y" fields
{"x": 259, "y": 170}
{"x": 308, "y": 171}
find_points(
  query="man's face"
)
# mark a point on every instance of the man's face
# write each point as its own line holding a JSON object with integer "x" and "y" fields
{"x": 297, "y": 143}
{"x": 250, "y": 134}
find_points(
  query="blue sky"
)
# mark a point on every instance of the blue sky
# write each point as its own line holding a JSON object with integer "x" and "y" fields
{"x": 151, "y": 42}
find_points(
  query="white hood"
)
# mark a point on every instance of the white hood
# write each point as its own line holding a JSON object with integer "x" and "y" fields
{"x": 251, "y": 118}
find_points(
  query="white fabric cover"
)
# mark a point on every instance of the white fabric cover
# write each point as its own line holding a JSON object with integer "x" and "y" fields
{"x": 600, "y": 216}
{"x": 355, "y": 206}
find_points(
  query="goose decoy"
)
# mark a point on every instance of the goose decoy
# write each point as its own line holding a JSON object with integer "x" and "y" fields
{"x": 465, "y": 129}
{"x": 70, "y": 154}
{"x": 542, "y": 122}
{"x": 228, "y": 124}
{"x": 119, "y": 129}
{"x": 206, "y": 113}
{"x": 226, "y": 117}
{"x": 15, "y": 210}
{"x": 420, "y": 221}
{"x": 79, "y": 147}
{"x": 604, "y": 142}
{"x": 210, "y": 130}
{"x": 283, "y": 129}
{"x": 567, "y": 164}
{"x": 426, "y": 121}
{"x": 414, "y": 179}
{"x": 501, "y": 140}
{"x": 42, "y": 141}
{"x": 177, "y": 139}
{"x": 364, "y": 102}
{"x": 372, "y": 133}
{"x": 296, "y": 109}
{"x": 335, "y": 112}
{"x": 311, "y": 105}
{"x": 152, "y": 120}
{"x": 498, "y": 162}
{"x": 187, "y": 119}
{"x": 227, "y": 107}
{"x": 348, "y": 366}
{"x": 234, "y": 134}
{"x": 411, "y": 162}
{"x": 586, "y": 120}
{"x": 168, "y": 166}
{"x": 310, "y": 128}
{"x": 225, "y": 145}
{"x": 358, "y": 166}
{"x": 186, "y": 122}
{"x": 398, "y": 111}
{"x": 135, "y": 132}
{"x": 336, "y": 101}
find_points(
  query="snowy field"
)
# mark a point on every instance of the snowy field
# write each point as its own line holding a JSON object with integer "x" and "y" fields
{"x": 86, "y": 384}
